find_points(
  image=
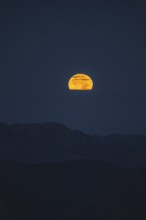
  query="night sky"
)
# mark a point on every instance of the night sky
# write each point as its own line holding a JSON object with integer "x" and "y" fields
{"x": 43, "y": 43}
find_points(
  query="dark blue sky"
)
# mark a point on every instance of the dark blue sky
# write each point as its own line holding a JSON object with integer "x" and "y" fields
{"x": 42, "y": 44}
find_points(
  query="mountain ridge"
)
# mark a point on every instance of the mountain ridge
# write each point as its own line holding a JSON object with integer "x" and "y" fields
{"x": 43, "y": 142}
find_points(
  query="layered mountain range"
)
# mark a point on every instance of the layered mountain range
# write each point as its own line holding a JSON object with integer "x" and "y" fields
{"x": 45, "y": 142}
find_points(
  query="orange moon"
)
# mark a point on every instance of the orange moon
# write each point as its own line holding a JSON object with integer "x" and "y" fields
{"x": 80, "y": 81}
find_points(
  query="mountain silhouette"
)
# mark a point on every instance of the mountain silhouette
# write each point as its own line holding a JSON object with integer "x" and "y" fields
{"x": 44, "y": 142}
{"x": 48, "y": 171}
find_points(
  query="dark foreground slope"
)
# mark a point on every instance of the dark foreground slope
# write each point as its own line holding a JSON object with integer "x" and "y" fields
{"x": 71, "y": 190}
{"x": 55, "y": 142}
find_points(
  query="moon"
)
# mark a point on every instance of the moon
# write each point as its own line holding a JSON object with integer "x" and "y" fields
{"x": 80, "y": 81}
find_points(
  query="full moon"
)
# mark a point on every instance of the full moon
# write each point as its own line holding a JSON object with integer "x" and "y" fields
{"x": 80, "y": 81}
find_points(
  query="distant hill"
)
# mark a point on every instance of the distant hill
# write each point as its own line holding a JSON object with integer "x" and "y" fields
{"x": 46, "y": 142}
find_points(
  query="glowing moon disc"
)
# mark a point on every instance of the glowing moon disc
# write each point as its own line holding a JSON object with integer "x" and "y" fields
{"x": 80, "y": 81}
